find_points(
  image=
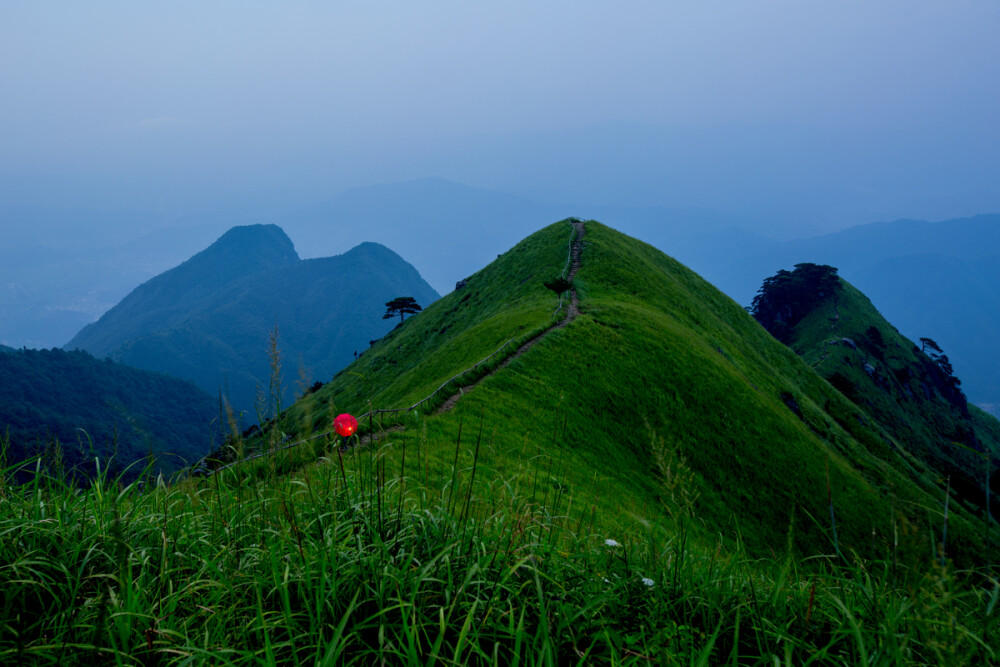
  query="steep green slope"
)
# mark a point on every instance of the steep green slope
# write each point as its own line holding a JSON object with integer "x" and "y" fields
{"x": 209, "y": 319}
{"x": 100, "y": 408}
{"x": 502, "y": 302}
{"x": 929, "y": 279}
{"x": 913, "y": 397}
{"x": 663, "y": 395}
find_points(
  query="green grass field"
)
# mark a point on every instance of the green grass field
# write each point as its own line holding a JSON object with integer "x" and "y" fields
{"x": 658, "y": 482}
{"x": 358, "y": 562}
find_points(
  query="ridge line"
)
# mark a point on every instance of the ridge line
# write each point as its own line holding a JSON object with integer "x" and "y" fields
{"x": 574, "y": 262}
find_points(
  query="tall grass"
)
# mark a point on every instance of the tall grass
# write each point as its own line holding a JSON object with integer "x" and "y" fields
{"x": 365, "y": 558}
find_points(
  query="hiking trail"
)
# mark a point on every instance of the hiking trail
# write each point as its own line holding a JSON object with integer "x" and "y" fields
{"x": 572, "y": 310}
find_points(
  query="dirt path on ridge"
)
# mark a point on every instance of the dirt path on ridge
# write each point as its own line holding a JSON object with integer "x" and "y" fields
{"x": 572, "y": 310}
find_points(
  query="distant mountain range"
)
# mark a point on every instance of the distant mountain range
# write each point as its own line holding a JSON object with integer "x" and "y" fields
{"x": 94, "y": 408}
{"x": 449, "y": 230}
{"x": 452, "y": 230}
{"x": 60, "y": 270}
{"x": 210, "y": 318}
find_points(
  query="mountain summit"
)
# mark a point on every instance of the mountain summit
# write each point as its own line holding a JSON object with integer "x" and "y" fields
{"x": 660, "y": 395}
{"x": 168, "y": 299}
{"x": 259, "y": 244}
{"x": 209, "y": 319}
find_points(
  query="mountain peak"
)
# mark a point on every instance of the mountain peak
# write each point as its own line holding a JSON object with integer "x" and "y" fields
{"x": 208, "y": 319}
{"x": 658, "y": 368}
{"x": 259, "y": 244}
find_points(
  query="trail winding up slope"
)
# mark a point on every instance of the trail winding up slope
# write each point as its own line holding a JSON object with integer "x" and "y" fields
{"x": 572, "y": 310}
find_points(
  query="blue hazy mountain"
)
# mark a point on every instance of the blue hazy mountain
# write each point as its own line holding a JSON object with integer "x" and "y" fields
{"x": 450, "y": 230}
{"x": 210, "y": 318}
{"x": 62, "y": 269}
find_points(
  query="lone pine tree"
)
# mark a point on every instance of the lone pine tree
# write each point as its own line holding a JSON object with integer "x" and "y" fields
{"x": 402, "y": 306}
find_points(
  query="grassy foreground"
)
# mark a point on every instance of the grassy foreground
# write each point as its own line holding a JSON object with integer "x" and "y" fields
{"x": 355, "y": 560}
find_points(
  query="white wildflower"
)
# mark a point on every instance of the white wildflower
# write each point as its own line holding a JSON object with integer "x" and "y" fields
{"x": 649, "y": 582}
{"x": 611, "y": 543}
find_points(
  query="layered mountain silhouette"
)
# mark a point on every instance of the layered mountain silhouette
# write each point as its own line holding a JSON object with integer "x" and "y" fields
{"x": 63, "y": 269}
{"x": 210, "y": 319}
{"x": 664, "y": 393}
{"x": 69, "y": 408}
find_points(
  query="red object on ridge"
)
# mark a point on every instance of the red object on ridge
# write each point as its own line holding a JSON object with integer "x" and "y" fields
{"x": 345, "y": 425}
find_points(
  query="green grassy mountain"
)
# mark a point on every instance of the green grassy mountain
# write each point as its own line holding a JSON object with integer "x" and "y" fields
{"x": 209, "y": 319}
{"x": 634, "y": 472}
{"x": 935, "y": 279}
{"x": 95, "y": 408}
{"x": 910, "y": 391}
{"x": 661, "y": 395}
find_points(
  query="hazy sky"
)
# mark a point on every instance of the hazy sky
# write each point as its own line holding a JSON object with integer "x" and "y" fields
{"x": 187, "y": 105}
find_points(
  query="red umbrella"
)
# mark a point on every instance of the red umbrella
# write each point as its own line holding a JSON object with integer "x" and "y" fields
{"x": 345, "y": 425}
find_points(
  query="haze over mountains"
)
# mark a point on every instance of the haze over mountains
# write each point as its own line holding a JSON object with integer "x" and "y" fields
{"x": 653, "y": 479}
{"x": 209, "y": 319}
{"x": 448, "y": 230}
{"x": 66, "y": 268}
{"x": 63, "y": 269}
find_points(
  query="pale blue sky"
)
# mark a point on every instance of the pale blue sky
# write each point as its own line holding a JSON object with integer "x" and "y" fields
{"x": 192, "y": 105}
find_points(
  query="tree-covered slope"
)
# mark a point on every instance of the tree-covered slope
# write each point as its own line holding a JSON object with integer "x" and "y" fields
{"x": 96, "y": 408}
{"x": 935, "y": 279}
{"x": 910, "y": 390}
{"x": 663, "y": 395}
{"x": 209, "y": 320}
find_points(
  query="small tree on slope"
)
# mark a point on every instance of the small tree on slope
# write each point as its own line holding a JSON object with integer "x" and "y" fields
{"x": 402, "y": 306}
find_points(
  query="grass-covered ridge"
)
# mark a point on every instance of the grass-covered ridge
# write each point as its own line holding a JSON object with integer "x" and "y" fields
{"x": 660, "y": 369}
{"x": 845, "y": 339}
{"x": 505, "y": 300}
{"x": 645, "y": 485}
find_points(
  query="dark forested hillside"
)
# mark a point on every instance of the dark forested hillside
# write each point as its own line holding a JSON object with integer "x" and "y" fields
{"x": 209, "y": 320}
{"x": 99, "y": 408}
